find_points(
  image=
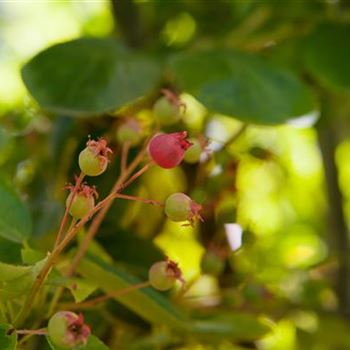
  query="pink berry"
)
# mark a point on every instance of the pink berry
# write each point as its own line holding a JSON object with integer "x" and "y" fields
{"x": 67, "y": 330}
{"x": 168, "y": 150}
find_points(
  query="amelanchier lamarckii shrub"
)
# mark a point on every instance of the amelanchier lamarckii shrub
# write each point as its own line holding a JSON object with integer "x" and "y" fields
{"x": 65, "y": 329}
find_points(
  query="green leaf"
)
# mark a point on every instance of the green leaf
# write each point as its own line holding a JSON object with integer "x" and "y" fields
{"x": 327, "y": 55}
{"x": 147, "y": 303}
{"x": 7, "y": 342}
{"x": 81, "y": 289}
{"x": 15, "y": 219}
{"x": 93, "y": 344}
{"x": 242, "y": 86}
{"x": 31, "y": 256}
{"x": 236, "y": 326}
{"x": 10, "y": 272}
{"x": 88, "y": 76}
{"x": 10, "y": 252}
{"x": 17, "y": 280}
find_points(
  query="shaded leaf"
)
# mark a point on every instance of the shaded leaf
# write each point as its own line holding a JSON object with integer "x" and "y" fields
{"x": 88, "y": 76}
{"x": 242, "y": 86}
{"x": 93, "y": 344}
{"x": 15, "y": 220}
{"x": 327, "y": 55}
{"x": 7, "y": 342}
{"x": 236, "y": 326}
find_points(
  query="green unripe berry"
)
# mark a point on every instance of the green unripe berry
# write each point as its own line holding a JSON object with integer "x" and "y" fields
{"x": 93, "y": 160}
{"x": 166, "y": 112}
{"x": 67, "y": 330}
{"x": 90, "y": 164}
{"x": 212, "y": 264}
{"x": 130, "y": 131}
{"x": 178, "y": 207}
{"x": 193, "y": 153}
{"x": 81, "y": 205}
{"x": 159, "y": 276}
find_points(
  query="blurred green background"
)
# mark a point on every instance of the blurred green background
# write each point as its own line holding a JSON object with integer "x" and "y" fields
{"x": 281, "y": 183}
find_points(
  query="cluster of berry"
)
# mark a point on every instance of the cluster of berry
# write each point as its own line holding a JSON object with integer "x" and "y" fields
{"x": 167, "y": 150}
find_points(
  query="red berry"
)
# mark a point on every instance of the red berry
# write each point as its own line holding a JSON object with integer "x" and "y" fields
{"x": 168, "y": 150}
{"x": 67, "y": 330}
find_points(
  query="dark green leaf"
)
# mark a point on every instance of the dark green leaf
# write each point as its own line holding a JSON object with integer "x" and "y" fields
{"x": 234, "y": 326}
{"x": 89, "y": 76}
{"x": 93, "y": 344}
{"x": 7, "y": 342}
{"x": 242, "y": 86}
{"x": 15, "y": 220}
{"x": 327, "y": 55}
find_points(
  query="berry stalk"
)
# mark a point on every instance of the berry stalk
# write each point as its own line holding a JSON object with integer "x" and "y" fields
{"x": 93, "y": 302}
{"x": 66, "y": 213}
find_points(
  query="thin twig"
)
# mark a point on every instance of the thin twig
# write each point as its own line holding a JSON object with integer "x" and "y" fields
{"x": 42, "y": 331}
{"x": 124, "y": 156}
{"x": 94, "y": 227}
{"x": 93, "y": 302}
{"x": 101, "y": 215}
{"x": 143, "y": 200}
{"x": 66, "y": 212}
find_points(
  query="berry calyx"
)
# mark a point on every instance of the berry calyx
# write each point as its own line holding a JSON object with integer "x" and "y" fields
{"x": 67, "y": 330}
{"x": 129, "y": 131}
{"x": 168, "y": 150}
{"x": 180, "y": 207}
{"x": 83, "y": 201}
{"x": 163, "y": 274}
{"x": 167, "y": 109}
{"x": 93, "y": 159}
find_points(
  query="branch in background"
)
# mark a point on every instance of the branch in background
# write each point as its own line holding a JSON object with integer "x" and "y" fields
{"x": 338, "y": 230}
{"x": 127, "y": 19}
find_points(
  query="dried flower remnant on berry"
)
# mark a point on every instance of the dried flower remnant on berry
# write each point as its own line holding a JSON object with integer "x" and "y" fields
{"x": 174, "y": 98}
{"x": 93, "y": 160}
{"x": 168, "y": 150}
{"x": 163, "y": 274}
{"x": 83, "y": 201}
{"x": 180, "y": 207}
{"x": 67, "y": 330}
